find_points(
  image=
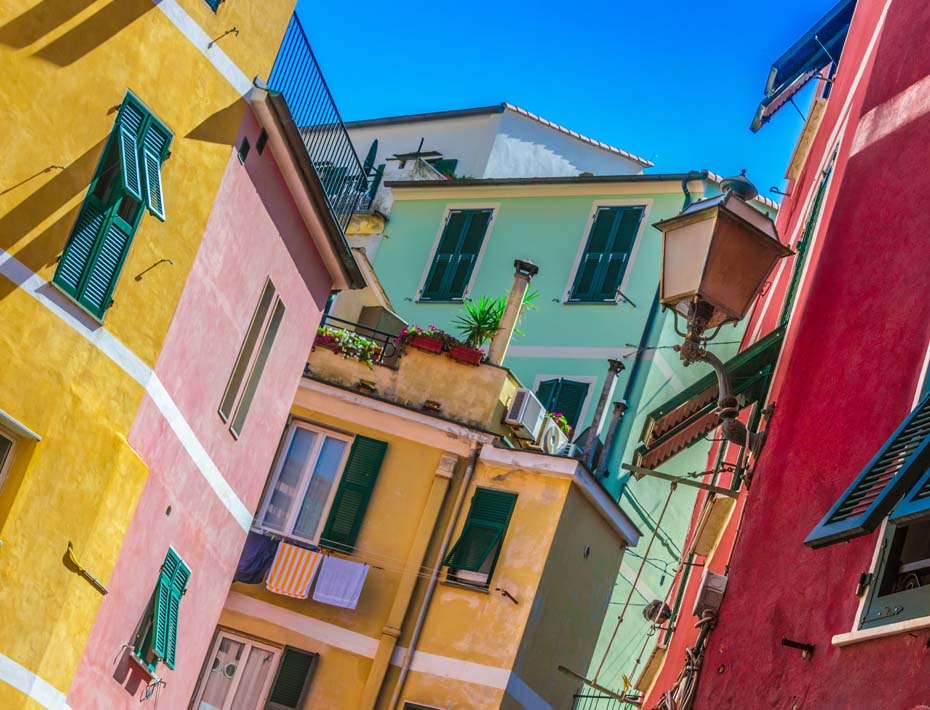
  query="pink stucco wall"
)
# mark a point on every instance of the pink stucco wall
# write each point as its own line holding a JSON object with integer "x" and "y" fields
{"x": 254, "y": 232}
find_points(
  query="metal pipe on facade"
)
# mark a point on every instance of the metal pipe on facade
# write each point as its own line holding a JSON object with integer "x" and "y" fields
{"x": 620, "y": 407}
{"x": 434, "y": 577}
{"x": 615, "y": 367}
{"x": 524, "y": 271}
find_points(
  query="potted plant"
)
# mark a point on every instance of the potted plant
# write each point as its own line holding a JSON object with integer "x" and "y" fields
{"x": 430, "y": 340}
{"x": 478, "y": 324}
{"x": 347, "y": 344}
{"x": 561, "y": 422}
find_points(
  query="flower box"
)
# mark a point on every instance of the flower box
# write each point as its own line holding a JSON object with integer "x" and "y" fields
{"x": 425, "y": 342}
{"x": 464, "y": 354}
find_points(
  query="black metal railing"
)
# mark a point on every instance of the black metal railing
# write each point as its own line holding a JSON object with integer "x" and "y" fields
{"x": 387, "y": 342}
{"x": 297, "y": 76}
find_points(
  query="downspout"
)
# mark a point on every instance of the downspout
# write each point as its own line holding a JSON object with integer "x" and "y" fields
{"x": 434, "y": 577}
{"x": 693, "y": 175}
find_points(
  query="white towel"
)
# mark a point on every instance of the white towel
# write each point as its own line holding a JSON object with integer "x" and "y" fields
{"x": 340, "y": 582}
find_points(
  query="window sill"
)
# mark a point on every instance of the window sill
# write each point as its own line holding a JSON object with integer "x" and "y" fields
{"x": 142, "y": 666}
{"x": 445, "y": 301}
{"x": 465, "y": 585}
{"x": 611, "y": 302}
{"x": 84, "y": 311}
{"x": 901, "y": 627}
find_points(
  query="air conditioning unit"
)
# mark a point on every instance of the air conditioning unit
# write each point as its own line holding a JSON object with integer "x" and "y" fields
{"x": 710, "y": 593}
{"x": 551, "y": 439}
{"x": 525, "y": 415}
{"x": 572, "y": 451}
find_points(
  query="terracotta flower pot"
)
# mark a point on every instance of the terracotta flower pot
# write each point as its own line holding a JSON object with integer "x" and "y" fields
{"x": 426, "y": 343}
{"x": 469, "y": 356}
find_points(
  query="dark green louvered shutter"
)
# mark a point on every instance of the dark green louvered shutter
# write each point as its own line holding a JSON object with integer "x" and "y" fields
{"x": 129, "y": 127}
{"x": 456, "y": 254}
{"x": 104, "y": 267}
{"x": 292, "y": 680}
{"x": 154, "y": 150}
{"x": 484, "y": 529}
{"x": 546, "y": 393}
{"x": 625, "y": 229}
{"x": 570, "y": 400}
{"x": 171, "y": 584}
{"x": 895, "y": 469}
{"x": 80, "y": 246}
{"x": 354, "y": 492}
{"x": 606, "y": 254}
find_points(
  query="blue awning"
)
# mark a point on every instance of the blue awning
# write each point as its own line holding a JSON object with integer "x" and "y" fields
{"x": 819, "y": 47}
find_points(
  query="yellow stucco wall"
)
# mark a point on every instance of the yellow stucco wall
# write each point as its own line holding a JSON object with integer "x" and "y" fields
{"x": 67, "y": 67}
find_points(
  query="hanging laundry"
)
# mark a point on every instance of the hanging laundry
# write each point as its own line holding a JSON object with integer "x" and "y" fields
{"x": 340, "y": 582}
{"x": 256, "y": 558}
{"x": 292, "y": 571}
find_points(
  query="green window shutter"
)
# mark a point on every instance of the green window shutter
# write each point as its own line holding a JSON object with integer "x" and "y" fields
{"x": 606, "y": 254}
{"x": 446, "y": 166}
{"x": 456, "y": 254}
{"x": 172, "y": 582}
{"x": 80, "y": 246}
{"x": 103, "y": 269}
{"x": 129, "y": 162}
{"x": 485, "y": 526}
{"x": 570, "y": 400}
{"x": 292, "y": 680}
{"x": 893, "y": 471}
{"x": 354, "y": 492}
{"x": 547, "y": 392}
{"x": 154, "y": 151}
{"x": 916, "y": 504}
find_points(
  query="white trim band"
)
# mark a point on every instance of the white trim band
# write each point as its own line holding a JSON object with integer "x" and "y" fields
{"x": 31, "y": 685}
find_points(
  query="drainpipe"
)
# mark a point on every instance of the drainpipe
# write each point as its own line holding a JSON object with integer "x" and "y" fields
{"x": 615, "y": 367}
{"x": 523, "y": 272}
{"x": 693, "y": 175}
{"x": 434, "y": 577}
{"x": 620, "y": 407}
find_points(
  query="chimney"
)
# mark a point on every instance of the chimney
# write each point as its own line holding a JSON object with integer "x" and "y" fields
{"x": 523, "y": 272}
{"x": 620, "y": 407}
{"x": 614, "y": 368}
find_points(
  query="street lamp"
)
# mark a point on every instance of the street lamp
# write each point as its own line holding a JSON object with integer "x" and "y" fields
{"x": 716, "y": 256}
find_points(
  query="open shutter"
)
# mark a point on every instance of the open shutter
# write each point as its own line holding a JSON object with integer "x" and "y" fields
{"x": 292, "y": 680}
{"x": 892, "y": 473}
{"x": 354, "y": 492}
{"x": 154, "y": 149}
{"x": 484, "y": 529}
{"x": 129, "y": 162}
{"x": 172, "y": 582}
{"x": 79, "y": 248}
{"x": 104, "y": 267}
{"x": 547, "y": 392}
{"x": 570, "y": 400}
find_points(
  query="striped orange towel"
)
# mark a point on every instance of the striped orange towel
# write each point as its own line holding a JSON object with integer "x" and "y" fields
{"x": 292, "y": 571}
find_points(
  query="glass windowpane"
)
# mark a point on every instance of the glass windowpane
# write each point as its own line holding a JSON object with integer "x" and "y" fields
{"x": 287, "y": 487}
{"x": 220, "y": 675}
{"x": 257, "y": 669}
{"x": 321, "y": 485}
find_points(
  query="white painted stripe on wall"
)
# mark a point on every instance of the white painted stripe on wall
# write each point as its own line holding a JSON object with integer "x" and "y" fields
{"x": 202, "y": 41}
{"x": 31, "y": 685}
{"x": 643, "y": 589}
{"x": 132, "y": 365}
{"x": 362, "y": 645}
{"x": 666, "y": 369}
{"x": 896, "y": 112}
{"x": 555, "y": 351}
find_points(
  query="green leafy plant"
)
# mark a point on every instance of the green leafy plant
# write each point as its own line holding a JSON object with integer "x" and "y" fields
{"x": 431, "y": 331}
{"x": 348, "y": 344}
{"x": 480, "y": 321}
{"x": 561, "y": 422}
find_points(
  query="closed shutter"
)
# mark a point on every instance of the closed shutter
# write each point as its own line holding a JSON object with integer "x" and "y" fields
{"x": 154, "y": 150}
{"x": 546, "y": 393}
{"x": 80, "y": 246}
{"x": 292, "y": 680}
{"x": 484, "y": 529}
{"x": 354, "y": 492}
{"x": 172, "y": 582}
{"x": 895, "y": 469}
{"x": 570, "y": 400}
{"x": 606, "y": 254}
{"x": 618, "y": 254}
{"x": 456, "y": 254}
{"x": 105, "y": 265}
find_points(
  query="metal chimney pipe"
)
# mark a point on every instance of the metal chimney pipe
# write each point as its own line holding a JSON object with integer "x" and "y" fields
{"x": 615, "y": 367}
{"x": 620, "y": 407}
{"x": 524, "y": 271}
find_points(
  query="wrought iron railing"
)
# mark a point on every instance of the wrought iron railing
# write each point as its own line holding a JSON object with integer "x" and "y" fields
{"x": 386, "y": 341}
{"x": 297, "y": 76}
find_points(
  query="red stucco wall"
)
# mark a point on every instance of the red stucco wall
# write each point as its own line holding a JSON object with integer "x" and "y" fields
{"x": 254, "y": 232}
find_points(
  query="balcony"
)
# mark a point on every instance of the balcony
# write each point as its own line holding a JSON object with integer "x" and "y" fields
{"x": 348, "y": 184}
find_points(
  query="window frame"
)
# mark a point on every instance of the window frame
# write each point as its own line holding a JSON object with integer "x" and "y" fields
{"x": 646, "y": 205}
{"x": 473, "y": 578}
{"x": 6, "y": 463}
{"x": 590, "y": 380}
{"x": 291, "y": 431}
{"x": 451, "y": 207}
{"x": 221, "y": 633}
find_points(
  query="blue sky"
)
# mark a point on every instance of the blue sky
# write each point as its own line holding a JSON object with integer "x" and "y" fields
{"x": 674, "y": 82}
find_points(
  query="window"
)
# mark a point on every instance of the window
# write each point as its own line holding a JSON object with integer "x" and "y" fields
{"x": 320, "y": 486}
{"x": 292, "y": 680}
{"x": 456, "y": 254}
{"x": 606, "y": 254}
{"x": 237, "y": 675}
{"x": 157, "y": 637}
{"x": 128, "y": 178}
{"x": 6, "y": 453}
{"x": 214, "y": 4}
{"x": 474, "y": 555}
{"x": 896, "y": 485}
{"x": 243, "y": 151}
{"x": 563, "y": 396}
{"x": 262, "y": 326}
